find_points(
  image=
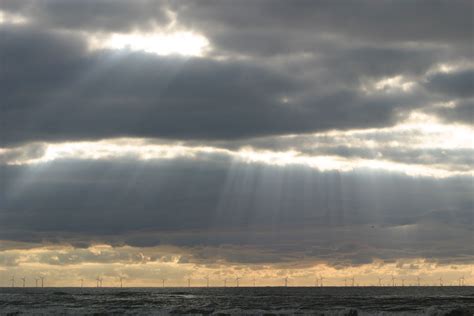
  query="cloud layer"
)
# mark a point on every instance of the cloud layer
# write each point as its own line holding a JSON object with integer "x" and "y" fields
{"x": 299, "y": 132}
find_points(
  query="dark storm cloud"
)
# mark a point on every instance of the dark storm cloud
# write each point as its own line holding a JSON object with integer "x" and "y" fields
{"x": 283, "y": 68}
{"x": 92, "y": 15}
{"x": 211, "y": 202}
{"x": 56, "y": 90}
{"x": 423, "y": 20}
{"x": 462, "y": 112}
{"x": 459, "y": 84}
{"x": 240, "y": 26}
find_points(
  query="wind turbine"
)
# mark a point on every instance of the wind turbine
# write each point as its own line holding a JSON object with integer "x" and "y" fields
{"x": 461, "y": 281}
{"x": 99, "y": 281}
{"x": 163, "y": 282}
{"x": 36, "y": 282}
{"x": 121, "y": 282}
{"x": 403, "y": 282}
{"x": 440, "y": 281}
{"x": 225, "y": 282}
{"x": 207, "y": 280}
{"x": 23, "y": 279}
{"x": 418, "y": 281}
{"x": 253, "y": 282}
{"x": 321, "y": 278}
{"x": 189, "y": 282}
{"x": 316, "y": 282}
{"x": 12, "y": 280}
{"x": 393, "y": 280}
{"x": 82, "y": 283}
{"x": 237, "y": 279}
{"x": 380, "y": 281}
{"x": 352, "y": 281}
{"x": 42, "y": 281}
{"x": 286, "y": 281}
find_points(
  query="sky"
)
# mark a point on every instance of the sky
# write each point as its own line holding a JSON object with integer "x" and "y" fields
{"x": 177, "y": 140}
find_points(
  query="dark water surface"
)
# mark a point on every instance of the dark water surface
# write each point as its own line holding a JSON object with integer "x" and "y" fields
{"x": 237, "y": 301}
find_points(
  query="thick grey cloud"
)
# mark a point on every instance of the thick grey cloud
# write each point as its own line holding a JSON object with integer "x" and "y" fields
{"x": 93, "y": 15}
{"x": 462, "y": 112}
{"x": 57, "y": 90}
{"x": 212, "y": 202}
{"x": 275, "y": 68}
{"x": 421, "y": 20}
{"x": 269, "y": 26}
{"x": 459, "y": 84}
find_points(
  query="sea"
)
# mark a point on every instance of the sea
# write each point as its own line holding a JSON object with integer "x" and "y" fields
{"x": 350, "y": 301}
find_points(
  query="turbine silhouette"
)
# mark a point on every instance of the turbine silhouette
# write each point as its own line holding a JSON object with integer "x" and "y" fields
{"x": 23, "y": 279}
{"x": 380, "y": 281}
{"x": 99, "y": 281}
{"x": 12, "y": 280}
{"x": 237, "y": 279}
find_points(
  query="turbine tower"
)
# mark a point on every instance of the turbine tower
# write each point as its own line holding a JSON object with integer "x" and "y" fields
{"x": 418, "y": 281}
{"x": 121, "y": 282}
{"x": 23, "y": 279}
{"x": 12, "y": 280}
{"x": 316, "y": 282}
{"x": 380, "y": 281}
{"x": 253, "y": 282}
{"x": 345, "y": 281}
{"x": 440, "y": 281}
{"x": 82, "y": 283}
{"x": 225, "y": 282}
{"x": 393, "y": 280}
{"x": 42, "y": 281}
{"x": 207, "y": 280}
{"x": 36, "y": 282}
{"x": 321, "y": 278}
{"x": 189, "y": 282}
{"x": 286, "y": 281}
{"x": 163, "y": 283}
{"x": 352, "y": 281}
{"x": 99, "y": 281}
{"x": 237, "y": 279}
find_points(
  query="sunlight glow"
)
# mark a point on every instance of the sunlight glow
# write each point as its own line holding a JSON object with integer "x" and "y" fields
{"x": 389, "y": 85}
{"x": 9, "y": 18}
{"x": 179, "y": 43}
{"x": 66, "y": 265}
{"x": 426, "y": 133}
